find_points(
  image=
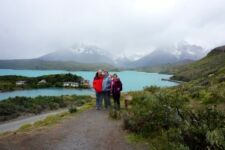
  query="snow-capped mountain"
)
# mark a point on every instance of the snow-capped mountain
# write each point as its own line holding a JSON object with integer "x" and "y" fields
{"x": 157, "y": 57}
{"x": 81, "y": 54}
{"x": 182, "y": 52}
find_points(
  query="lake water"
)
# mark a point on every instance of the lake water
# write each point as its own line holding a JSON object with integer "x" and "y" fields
{"x": 132, "y": 81}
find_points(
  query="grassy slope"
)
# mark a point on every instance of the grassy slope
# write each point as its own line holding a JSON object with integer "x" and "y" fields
{"x": 166, "y": 68}
{"x": 206, "y": 78}
{"x": 212, "y": 64}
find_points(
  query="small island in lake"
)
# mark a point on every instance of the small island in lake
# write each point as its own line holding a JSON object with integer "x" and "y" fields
{"x": 14, "y": 82}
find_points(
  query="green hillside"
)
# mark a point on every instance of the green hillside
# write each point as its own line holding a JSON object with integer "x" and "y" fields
{"x": 166, "y": 68}
{"x": 52, "y": 65}
{"x": 190, "y": 116}
{"x": 212, "y": 64}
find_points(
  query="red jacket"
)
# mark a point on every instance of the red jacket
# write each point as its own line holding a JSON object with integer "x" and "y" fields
{"x": 97, "y": 84}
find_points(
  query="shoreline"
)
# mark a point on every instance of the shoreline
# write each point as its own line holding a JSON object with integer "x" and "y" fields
{"x": 20, "y": 89}
{"x": 87, "y": 92}
{"x": 176, "y": 81}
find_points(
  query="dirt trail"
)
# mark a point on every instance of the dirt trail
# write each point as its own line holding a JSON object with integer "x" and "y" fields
{"x": 16, "y": 124}
{"x": 89, "y": 130}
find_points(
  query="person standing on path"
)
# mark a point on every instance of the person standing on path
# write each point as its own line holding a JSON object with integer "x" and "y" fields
{"x": 106, "y": 88}
{"x": 117, "y": 87}
{"x": 97, "y": 85}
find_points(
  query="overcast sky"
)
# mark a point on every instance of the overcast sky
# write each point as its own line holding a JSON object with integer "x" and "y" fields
{"x": 31, "y": 28}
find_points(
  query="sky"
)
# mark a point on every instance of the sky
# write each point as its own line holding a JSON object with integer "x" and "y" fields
{"x": 31, "y": 28}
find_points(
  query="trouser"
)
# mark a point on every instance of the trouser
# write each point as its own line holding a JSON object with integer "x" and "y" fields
{"x": 106, "y": 97}
{"x": 116, "y": 98}
{"x": 99, "y": 100}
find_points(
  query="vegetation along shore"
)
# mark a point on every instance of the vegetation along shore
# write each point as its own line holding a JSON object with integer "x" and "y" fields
{"x": 13, "y": 82}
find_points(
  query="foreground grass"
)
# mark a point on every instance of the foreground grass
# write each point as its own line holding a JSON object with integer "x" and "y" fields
{"x": 135, "y": 138}
{"x": 49, "y": 121}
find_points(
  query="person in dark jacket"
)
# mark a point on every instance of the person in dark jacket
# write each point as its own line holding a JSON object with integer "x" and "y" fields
{"x": 97, "y": 85}
{"x": 106, "y": 88}
{"x": 117, "y": 87}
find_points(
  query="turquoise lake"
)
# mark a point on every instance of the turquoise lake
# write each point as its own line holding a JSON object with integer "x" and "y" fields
{"x": 132, "y": 81}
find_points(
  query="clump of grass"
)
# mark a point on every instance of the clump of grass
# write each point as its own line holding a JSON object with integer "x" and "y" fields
{"x": 25, "y": 127}
{"x": 115, "y": 114}
{"x": 86, "y": 106}
{"x": 136, "y": 138}
{"x": 47, "y": 121}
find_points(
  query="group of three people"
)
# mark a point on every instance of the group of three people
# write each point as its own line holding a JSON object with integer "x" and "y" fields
{"x": 105, "y": 85}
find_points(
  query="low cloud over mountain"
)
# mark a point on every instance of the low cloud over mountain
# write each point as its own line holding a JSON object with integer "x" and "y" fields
{"x": 81, "y": 54}
{"x": 183, "y": 51}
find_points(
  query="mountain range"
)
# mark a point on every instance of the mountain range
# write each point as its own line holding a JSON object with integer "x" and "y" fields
{"x": 183, "y": 52}
{"x": 37, "y": 64}
{"x": 81, "y": 54}
{"x": 83, "y": 57}
{"x": 92, "y": 54}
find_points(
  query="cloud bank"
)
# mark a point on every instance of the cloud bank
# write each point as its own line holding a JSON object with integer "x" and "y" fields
{"x": 30, "y": 29}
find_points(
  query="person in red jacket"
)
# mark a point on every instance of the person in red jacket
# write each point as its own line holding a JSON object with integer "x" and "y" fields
{"x": 97, "y": 85}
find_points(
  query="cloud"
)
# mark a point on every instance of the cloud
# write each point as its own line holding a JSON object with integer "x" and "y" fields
{"x": 31, "y": 28}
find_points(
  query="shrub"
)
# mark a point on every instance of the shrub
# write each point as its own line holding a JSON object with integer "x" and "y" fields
{"x": 152, "y": 113}
{"x": 165, "y": 142}
{"x": 73, "y": 109}
{"x": 152, "y": 89}
{"x": 169, "y": 123}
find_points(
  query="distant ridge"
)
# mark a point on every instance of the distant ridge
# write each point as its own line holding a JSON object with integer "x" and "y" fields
{"x": 80, "y": 54}
{"x": 83, "y": 57}
{"x": 213, "y": 63}
{"x": 217, "y": 50}
{"x": 37, "y": 64}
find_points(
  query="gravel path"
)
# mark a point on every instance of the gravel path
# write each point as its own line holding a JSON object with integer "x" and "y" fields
{"x": 16, "y": 124}
{"x": 89, "y": 130}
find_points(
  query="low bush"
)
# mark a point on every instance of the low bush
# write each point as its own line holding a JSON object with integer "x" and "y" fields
{"x": 73, "y": 109}
{"x": 168, "y": 121}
